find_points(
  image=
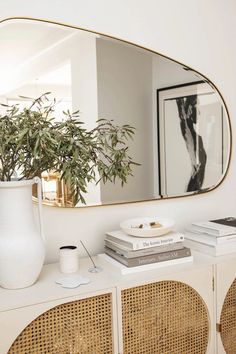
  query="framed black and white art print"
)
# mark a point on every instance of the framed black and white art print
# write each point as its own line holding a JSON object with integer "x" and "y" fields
{"x": 191, "y": 136}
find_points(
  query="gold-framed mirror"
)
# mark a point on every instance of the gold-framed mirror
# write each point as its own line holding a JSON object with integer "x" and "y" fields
{"x": 182, "y": 130}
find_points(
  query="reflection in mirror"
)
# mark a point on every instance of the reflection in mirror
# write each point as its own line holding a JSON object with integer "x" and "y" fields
{"x": 182, "y": 136}
{"x": 193, "y": 138}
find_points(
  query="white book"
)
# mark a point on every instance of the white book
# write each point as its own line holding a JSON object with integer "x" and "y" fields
{"x": 209, "y": 239}
{"x": 213, "y": 228}
{"x": 125, "y": 270}
{"x": 217, "y": 250}
{"x": 128, "y": 253}
{"x": 137, "y": 243}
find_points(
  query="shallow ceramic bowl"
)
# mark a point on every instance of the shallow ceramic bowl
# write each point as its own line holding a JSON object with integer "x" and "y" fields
{"x": 132, "y": 226}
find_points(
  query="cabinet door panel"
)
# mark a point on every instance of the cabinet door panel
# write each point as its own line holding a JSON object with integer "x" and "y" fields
{"x": 226, "y": 307}
{"x": 168, "y": 316}
{"x": 80, "y": 326}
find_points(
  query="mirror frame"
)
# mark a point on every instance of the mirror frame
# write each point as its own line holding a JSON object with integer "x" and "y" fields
{"x": 204, "y": 78}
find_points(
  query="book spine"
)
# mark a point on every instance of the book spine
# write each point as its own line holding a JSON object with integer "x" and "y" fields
{"x": 213, "y": 250}
{"x": 207, "y": 230}
{"x": 201, "y": 247}
{"x": 140, "y": 244}
{"x": 226, "y": 239}
{"x": 210, "y": 240}
{"x": 159, "y": 257}
{"x": 201, "y": 238}
{"x": 145, "y": 251}
{"x": 131, "y": 270}
{"x": 214, "y": 229}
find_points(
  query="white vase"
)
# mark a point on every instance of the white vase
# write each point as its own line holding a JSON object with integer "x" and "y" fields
{"x": 21, "y": 244}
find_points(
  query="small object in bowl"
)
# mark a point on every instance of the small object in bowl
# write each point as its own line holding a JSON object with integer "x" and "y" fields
{"x": 147, "y": 226}
{"x": 155, "y": 224}
{"x": 151, "y": 225}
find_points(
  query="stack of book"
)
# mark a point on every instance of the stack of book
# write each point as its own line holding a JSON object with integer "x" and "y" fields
{"x": 134, "y": 252}
{"x": 215, "y": 237}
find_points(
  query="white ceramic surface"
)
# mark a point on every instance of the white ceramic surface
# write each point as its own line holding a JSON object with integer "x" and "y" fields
{"x": 68, "y": 259}
{"x": 72, "y": 281}
{"x": 21, "y": 244}
{"x": 131, "y": 226}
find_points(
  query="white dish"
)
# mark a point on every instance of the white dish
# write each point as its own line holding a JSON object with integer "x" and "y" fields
{"x": 72, "y": 281}
{"x": 133, "y": 226}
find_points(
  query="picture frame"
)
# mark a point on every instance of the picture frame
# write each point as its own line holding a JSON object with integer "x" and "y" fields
{"x": 191, "y": 138}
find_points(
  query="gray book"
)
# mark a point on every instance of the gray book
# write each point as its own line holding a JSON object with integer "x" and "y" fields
{"x": 123, "y": 251}
{"x": 154, "y": 258}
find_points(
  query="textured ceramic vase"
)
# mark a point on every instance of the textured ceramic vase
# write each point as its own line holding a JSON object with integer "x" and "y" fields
{"x": 21, "y": 243}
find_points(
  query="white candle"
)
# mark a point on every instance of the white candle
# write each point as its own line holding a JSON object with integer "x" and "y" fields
{"x": 69, "y": 259}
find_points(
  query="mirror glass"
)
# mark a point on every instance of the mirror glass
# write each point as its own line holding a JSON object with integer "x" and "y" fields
{"x": 182, "y": 134}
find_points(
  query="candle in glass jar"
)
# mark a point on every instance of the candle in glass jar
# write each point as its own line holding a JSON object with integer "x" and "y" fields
{"x": 69, "y": 259}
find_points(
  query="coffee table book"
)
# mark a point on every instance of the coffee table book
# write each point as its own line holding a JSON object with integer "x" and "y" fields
{"x": 123, "y": 270}
{"x": 137, "y": 243}
{"x": 153, "y": 258}
{"x": 126, "y": 252}
{"x": 217, "y": 227}
{"x": 213, "y": 250}
{"x": 209, "y": 239}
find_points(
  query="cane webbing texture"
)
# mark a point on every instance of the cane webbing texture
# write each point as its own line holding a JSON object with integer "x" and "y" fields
{"x": 167, "y": 317}
{"x": 78, "y": 327}
{"x": 228, "y": 320}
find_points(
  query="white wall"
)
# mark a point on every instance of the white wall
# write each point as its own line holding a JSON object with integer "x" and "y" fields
{"x": 168, "y": 73}
{"x": 84, "y": 91}
{"x": 125, "y": 95}
{"x": 201, "y": 34}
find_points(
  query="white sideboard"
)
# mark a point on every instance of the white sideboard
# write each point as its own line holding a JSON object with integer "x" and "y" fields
{"x": 165, "y": 302}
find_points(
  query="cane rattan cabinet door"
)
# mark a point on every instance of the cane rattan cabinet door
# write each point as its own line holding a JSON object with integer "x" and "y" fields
{"x": 77, "y": 327}
{"x": 226, "y": 307}
{"x": 228, "y": 320}
{"x": 165, "y": 317}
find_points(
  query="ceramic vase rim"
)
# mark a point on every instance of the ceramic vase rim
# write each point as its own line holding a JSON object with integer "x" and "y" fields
{"x": 13, "y": 184}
